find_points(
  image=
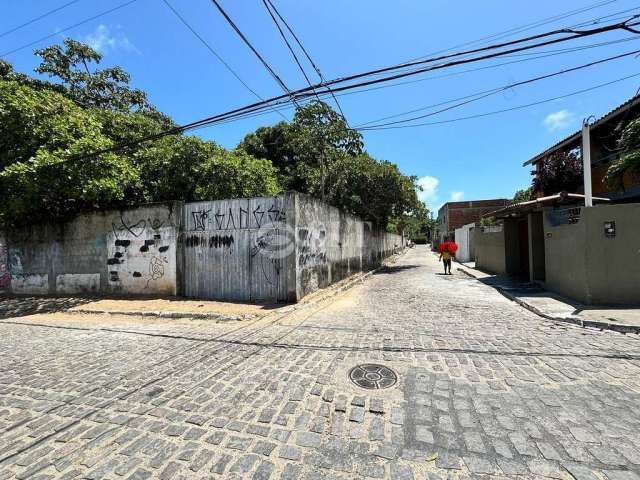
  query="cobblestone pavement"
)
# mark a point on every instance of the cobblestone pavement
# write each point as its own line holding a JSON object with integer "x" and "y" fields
{"x": 485, "y": 389}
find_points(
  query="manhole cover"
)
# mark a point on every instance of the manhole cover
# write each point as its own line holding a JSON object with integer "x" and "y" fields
{"x": 372, "y": 376}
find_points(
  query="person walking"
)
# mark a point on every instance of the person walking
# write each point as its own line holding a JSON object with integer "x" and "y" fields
{"x": 445, "y": 257}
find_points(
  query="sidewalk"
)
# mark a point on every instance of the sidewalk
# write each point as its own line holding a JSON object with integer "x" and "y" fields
{"x": 556, "y": 307}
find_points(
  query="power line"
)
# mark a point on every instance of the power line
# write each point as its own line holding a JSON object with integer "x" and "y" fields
{"x": 497, "y": 65}
{"x": 481, "y": 95}
{"x": 305, "y": 92}
{"x": 519, "y": 107}
{"x": 286, "y": 41}
{"x": 523, "y": 28}
{"x": 68, "y": 28}
{"x": 304, "y": 50}
{"x": 39, "y": 17}
{"x": 576, "y": 34}
{"x": 253, "y": 49}
{"x": 215, "y": 54}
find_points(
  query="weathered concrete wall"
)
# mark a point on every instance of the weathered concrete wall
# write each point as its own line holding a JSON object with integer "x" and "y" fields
{"x": 126, "y": 252}
{"x": 5, "y": 274}
{"x": 331, "y": 245}
{"x": 257, "y": 249}
{"x": 490, "y": 251}
{"x": 238, "y": 249}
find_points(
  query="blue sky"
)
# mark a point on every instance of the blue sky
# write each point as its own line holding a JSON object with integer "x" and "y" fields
{"x": 472, "y": 159}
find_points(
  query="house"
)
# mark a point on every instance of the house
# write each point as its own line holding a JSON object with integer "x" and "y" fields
{"x": 587, "y": 253}
{"x": 455, "y": 215}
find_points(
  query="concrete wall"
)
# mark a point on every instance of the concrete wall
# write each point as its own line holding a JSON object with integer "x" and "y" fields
{"x": 257, "y": 249}
{"x": 490, "y": 249}
{"x": 464, "y": 237}
{"x": 120, "y": 252}
{"x": 583, "y": 263}
{"x": 331, "y": 245}
{"x": 238, "y": 249}
{"x": 565, "y": 258}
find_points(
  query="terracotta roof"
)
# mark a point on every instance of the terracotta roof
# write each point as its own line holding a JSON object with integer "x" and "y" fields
{"x": 633, "y": 101}
{"x": 562, "y": 197}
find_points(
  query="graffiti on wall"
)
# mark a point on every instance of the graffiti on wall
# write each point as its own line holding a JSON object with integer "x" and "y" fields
{"x": 240, "y": 219}
{"x": 138, "y": 262}
{"x": 266, "y": 248}
{"x": 5, "y": 274}
{"x": 312, "y": 249}
{"x": 137, "y": 228}
{"x": 214, "y": 241}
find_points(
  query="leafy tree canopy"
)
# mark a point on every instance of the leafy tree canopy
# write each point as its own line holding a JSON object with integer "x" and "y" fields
{"x": 317, "y": 153}
{"x": 72, "y": 65}
{"x": 629, "y": 161}
{"x": 559, "y": 172}
{"x": 524, "y": 195}
{"x": 50, "y": 129}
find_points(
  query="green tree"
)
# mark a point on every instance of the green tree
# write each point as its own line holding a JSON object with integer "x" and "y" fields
{"x": 318, "y": 154}
{"x": 189, "y": 169}
{"x": 40, "y": 131}
{"x": 558, "y": 172}
{"x": 524, "y": 195}
{"x": 49, "y": 132}
{"x": 73, "y": 65}
{"x": 304, "y": 149}
{"x": 629, "y": 160}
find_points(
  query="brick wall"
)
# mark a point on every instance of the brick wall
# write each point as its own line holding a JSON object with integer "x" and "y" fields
{"x": 456, "y": 214}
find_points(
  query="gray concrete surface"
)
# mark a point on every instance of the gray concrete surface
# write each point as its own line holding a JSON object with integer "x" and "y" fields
{"x": 485, "y": 389}
{"x": 265, "y": 249}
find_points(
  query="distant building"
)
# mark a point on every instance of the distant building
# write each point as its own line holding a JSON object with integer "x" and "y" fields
{"x": 453, "y": 215}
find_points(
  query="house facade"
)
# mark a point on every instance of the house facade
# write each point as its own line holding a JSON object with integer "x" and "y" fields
{"x": 587, "y": 253}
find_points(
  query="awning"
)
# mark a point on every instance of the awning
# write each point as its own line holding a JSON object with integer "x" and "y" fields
{"x": 519, "y": 209}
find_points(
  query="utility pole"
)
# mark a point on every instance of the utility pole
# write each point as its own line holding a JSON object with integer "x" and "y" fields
{"x": 586, "y": 162}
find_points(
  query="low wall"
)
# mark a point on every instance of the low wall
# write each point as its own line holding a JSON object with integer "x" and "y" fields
{"x": 126, "y": 252}
{"x": 490, "y": 251}
{"x": 590, "y": 265}
{"x": 465, "y": 238}
{"x": 256, "y": 249}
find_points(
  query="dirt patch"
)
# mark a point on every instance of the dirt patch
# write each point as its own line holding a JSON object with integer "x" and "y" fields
{"x": 178, "y": 306}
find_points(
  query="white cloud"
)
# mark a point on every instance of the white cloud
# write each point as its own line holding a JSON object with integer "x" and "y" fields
{"x": 457, "y": 196}
{"x": 559, "y": 120}
{"x": 104, "y": 40}
{"x": 429, "y": 193}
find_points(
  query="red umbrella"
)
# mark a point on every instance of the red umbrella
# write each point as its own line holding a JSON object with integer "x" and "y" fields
{"x": 448, "y": 246}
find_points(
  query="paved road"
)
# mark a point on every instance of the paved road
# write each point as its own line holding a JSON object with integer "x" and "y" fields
{"x": 484, "y": 388}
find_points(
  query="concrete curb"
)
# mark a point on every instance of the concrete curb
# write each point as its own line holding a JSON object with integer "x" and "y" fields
{"x": 331, "y": 291}
{"x": 616, "y": 327}
{"x": 159, "y": 314}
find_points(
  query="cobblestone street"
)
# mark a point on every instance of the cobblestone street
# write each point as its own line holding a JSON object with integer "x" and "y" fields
{"x": 484, "y": 389}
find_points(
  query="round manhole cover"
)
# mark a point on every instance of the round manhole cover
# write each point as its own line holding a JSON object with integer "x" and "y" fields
{"x": 372, "y": 376}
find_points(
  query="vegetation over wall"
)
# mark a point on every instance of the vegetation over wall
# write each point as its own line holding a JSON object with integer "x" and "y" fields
{"x": 51, "y": 129}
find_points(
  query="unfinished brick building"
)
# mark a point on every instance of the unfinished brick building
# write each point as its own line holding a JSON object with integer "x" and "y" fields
{"x": 454, "y": 215}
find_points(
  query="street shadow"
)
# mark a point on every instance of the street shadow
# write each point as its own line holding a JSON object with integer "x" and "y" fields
{"x": 18, "y": 306}
{"x": 389, "y": 269}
